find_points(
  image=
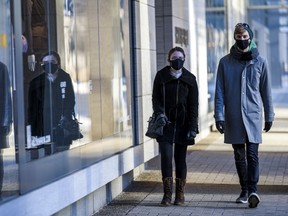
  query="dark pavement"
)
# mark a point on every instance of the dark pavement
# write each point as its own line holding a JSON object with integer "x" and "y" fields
{"x": 212, "y": 182}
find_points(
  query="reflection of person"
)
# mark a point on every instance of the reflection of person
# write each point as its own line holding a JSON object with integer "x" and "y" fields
{"x": 51, "y": 96}
{"x": 5, "y": 114}
{"x": 181, "y": 108}
{"x": 242, "y": 85}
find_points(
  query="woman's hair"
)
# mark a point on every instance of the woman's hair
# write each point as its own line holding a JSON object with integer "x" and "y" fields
{"x": 53, "y": 53}
{"x": 175, "y": 49}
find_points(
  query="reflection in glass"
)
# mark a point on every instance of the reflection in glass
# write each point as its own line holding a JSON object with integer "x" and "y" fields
{"x": 51, "y": 102}
{"x": 216, "y": 49}
{"x": 98, "y": 58}
{"x": 92, "y": 40}
{"x": 269, "y": 21}
{"x": 215, "y": 3}
{"x": 8, "y": 167}
{"x": 95, "y": 53}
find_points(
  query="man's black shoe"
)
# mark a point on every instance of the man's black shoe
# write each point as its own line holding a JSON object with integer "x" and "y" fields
{"x": 253, "y": 200}
{"x": 243, "y": 197}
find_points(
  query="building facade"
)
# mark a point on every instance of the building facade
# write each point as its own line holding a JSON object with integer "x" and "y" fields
{"x": 112, "y": 50}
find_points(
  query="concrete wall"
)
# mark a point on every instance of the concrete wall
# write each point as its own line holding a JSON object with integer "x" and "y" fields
{"x": 172, "y": 29}
{"x": 145, "y": 62}
{"x": 198, "y": 59}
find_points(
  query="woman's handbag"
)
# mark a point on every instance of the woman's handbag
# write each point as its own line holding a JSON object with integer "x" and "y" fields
{"x": 70, "y": 127}
{"x": 156, "y": 125}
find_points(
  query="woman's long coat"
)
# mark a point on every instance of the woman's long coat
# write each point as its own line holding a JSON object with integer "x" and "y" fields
{"x": 48, "y": 101}
{"x": 241, "y": 89}
{"x": 181, "y": 104}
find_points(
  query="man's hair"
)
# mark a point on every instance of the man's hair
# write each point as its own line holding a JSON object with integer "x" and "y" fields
{"x": 242, "y": 27}
{"x": 53, "y": 53}
{"x": 175, "y": 49}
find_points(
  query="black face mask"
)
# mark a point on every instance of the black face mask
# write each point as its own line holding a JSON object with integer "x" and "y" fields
{"x": 177, "y": 64}
{"x": 242, "y": 44}
{"x": 50, "y": 68}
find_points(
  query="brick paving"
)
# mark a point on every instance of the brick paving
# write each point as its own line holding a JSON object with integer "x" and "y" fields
{"x": 212, "y": 183}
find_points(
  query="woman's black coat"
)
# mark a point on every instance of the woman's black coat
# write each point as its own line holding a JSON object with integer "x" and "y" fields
{"x": 181, "y": 104}
{"x": 46, "y": 104}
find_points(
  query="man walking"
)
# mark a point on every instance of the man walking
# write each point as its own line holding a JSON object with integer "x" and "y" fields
{"x": 242, "y": 89}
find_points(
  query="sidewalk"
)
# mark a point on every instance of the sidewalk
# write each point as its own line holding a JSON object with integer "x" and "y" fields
{"x": 212, "y": 183}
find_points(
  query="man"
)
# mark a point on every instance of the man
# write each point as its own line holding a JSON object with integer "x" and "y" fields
{"x": 242, "y": 85}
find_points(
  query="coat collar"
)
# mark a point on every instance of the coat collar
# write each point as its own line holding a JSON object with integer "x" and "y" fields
{"x": 167, "y": 77}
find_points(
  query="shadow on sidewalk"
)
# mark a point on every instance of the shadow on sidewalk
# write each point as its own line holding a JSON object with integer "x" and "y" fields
{"x": 196, "y": 188}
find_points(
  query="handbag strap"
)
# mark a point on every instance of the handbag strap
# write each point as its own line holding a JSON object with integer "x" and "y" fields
{"x": 164, "y": 97}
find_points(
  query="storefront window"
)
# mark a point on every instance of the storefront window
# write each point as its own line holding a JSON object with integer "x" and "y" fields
{"x": 216, "y": 43}
{"x": 90, "y": 78}
{"x": 215, "y": 3}
{"x": 76, "y": 65}
{"x": 269, "y": 22}
{"x": 9, "y": 186}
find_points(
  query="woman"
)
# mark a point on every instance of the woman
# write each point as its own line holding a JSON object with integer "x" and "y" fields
{"x": 51, "y": 97}
{"x": 175, "y": 94}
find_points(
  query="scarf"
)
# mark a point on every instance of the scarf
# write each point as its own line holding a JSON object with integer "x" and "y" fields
{"x": 176, "y": 74}
{"x": 245, "y": 56}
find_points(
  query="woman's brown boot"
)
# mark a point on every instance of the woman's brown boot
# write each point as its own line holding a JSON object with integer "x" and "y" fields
{"x": 179, "y": 197}
{"x": 167, "y": 186}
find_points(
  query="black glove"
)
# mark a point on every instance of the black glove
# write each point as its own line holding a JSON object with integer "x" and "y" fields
{"x": 268, "y": 126}
{"x": 161, "y": 120}
{"x": 191, "y": 135}
{"x": 220, "y": 126}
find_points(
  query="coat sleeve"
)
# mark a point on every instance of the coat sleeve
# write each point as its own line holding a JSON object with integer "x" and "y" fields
{"x": 157, "y": 95}
{"x": 266, "y": 95}
{"x": 219, "y": 100}
{"x": 193, "y": 104}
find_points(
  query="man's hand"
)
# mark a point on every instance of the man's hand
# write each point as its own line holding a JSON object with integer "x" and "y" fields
{"x": 220, "y": 126}
{"x": 267, "y": 126}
